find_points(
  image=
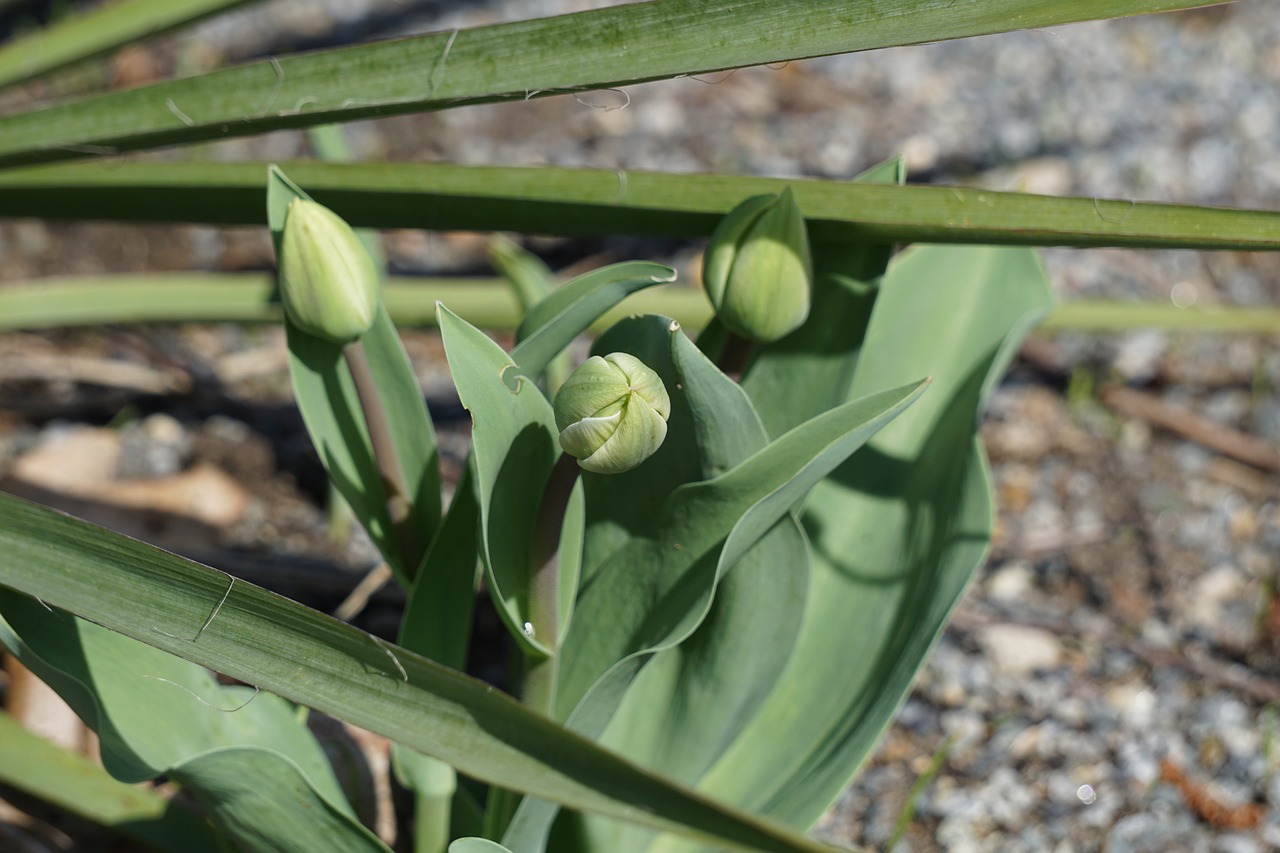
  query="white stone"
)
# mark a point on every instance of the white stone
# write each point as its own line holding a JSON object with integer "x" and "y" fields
{"x": 1019, "y": 649}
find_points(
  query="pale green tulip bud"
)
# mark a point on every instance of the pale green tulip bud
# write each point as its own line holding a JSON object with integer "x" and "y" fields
{"x": 612, "y": 413}
{"x": 328, "y": 282}
{"x": 757, "y": 269}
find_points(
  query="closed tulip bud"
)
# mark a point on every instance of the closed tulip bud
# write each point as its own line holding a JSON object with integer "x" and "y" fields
{"x": 757, "y": 269}
{"x": 612, "y": 413}
{"x": 328, "y": 282}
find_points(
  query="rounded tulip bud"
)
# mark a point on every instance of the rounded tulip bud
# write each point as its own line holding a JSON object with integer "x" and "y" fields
{"x": 612, "y": 413}
{"x": 328, "y": 282}
{"x": 757, "y": 269}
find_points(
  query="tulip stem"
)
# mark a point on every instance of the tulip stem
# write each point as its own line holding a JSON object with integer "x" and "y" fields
{"x": 544, "y": 583}
{"x": 385, "y": 455}
{"x": 735, "y": 355}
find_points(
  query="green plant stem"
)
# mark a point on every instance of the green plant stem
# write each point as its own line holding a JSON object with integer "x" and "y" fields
{"x": 544, "y": 583}
{"x": 384, "y": 450}
{"x": 735, "y": 355}
{"x": 499, "y": 808}
{"x": 431, "y": 823}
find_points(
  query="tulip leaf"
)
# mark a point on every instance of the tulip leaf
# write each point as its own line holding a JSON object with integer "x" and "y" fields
{"x": 313, "y": 659}
{"x": 539, "y": 200}
{"x": 248, "y": 758}
{"x": 79, "y": 785}
{"x": 552, "y": 323}
{"x": 657, "y": 591}
{"x": 437, "y": 618}
{"x": 512, "y": 61}
{"x": 531, "y": 281}
{"x": 896, "y": 534}
{"x": 691, "y": 700}
{"x": 514, "y": 448}
{"x": 335, "y": 419}
{"x": 712, "y": 426}
{"x": 84, "y": 35}
{"x": 650, "y": 576}
{"x": 476, "y": 845}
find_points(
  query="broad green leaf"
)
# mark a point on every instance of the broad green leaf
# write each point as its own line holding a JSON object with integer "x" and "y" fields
{"x": 68, "y": 780}
{"x": 315, "y": 660}
{"x": 790, "y": 381}
{"x": 476, "y": 845}
{"x": 588, "y": 201}
{"x": 596, "y": 49}
{"x": 651, "y": 573}
{"x": 267, "y": 804}
{"x": 691, "y": 700}
{"x": 655, "y": 592}
{"x": 248, "y": 758}
{"x": 104, "y": 28}
{"x": 897, "y": 533}
{"x": 713, "y": 427}
{"x": 514, "y": 447}
{"x": 335, "y": 420}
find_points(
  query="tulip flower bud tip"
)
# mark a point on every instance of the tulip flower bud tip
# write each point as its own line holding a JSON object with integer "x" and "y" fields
{"x": 612, "y": 413}
{"x": 758, "y": 271}
{"x": 328, "y": 282}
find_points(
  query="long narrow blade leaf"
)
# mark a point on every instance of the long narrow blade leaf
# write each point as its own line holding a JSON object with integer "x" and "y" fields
{"x": 317, "y": 661}
{"x": 249, "y": 298}
{"x": 595, "y": 201}
{"x": 105, "y": 28}
{"x": 596, "y": 49}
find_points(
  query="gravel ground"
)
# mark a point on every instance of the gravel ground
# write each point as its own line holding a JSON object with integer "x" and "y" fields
{"x": 1109, "y": 681}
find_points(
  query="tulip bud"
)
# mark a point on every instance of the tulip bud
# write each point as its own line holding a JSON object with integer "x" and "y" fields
{"x": 328, "y": 282}
{"x": 757, "y": 269}
{"x": 612, "y": 413}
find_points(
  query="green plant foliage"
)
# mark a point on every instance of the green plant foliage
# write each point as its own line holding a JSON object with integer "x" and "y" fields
{"x": 314, "y": 660}
{"x": 476, "y": 845}
{"x": 653, "y": 556}
{"x": 258, "y": 772}
{"x": 897, "y": 533}
{"x": 681, "y": 713}
{"x": 550, "y": 325}
{"x": 532, "y": 281}
{"x": 332, "y": 411}
{"x": 596, "y": 49}
{"x": 36, "y": 766}
{"x": 599, "y": 201}
{"x": 105, "y": 28}
{"x": 514, "y": 449}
